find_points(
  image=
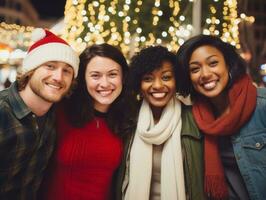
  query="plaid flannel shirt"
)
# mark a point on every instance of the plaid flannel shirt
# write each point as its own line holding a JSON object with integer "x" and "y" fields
{"x": 24, "y": 149}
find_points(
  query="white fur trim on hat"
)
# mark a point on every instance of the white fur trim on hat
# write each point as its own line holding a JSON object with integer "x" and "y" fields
{"x": 51, "y": 52}
{"x": 38, "y": 34}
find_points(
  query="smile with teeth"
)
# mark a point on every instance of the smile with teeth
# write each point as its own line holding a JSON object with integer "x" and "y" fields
{"x": 209, "y": 85}
{"x": 158, "y": 94}
{"x": 53, "y": 86}
{"x": 105, "y": 93}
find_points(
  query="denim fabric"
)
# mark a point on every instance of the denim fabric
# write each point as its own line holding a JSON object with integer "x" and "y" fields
{"x": 250, "y": 150}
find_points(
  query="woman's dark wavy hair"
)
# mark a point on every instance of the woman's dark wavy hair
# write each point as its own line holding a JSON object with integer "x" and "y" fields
{"x": 147, "y": 60}
{"x": 79, "y": 106}
{"x": 236, "y": 65}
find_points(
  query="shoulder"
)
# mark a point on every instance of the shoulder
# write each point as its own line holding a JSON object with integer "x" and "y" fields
{"x": 7, "y": 117}
{"x": 261, "y": 93}
{"x": 5, "y": 107}
{"x": 7, "y": 100}
{"x": 4, "y": 96}
{"x": 261, "y": 98}
{"x": 189, "y": 126}
{"x": 186, "y": 112}
{"x": 258, "y": 118}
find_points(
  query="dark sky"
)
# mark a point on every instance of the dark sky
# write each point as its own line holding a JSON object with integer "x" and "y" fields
{"x": 49, "y": 8}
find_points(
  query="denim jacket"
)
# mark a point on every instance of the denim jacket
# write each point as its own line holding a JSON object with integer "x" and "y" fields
{"x": 250, "y": 149}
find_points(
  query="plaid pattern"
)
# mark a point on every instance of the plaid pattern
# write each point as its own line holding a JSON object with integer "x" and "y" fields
{"x": 24, "y": 149}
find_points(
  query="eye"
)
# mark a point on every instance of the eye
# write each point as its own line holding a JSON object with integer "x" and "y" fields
{"x": 213, "y": 63}
{"x": 50, "y": 66}
{"x": 95, "y": 76}
{"x": 194, "y": 69}
{"x": 113, "y": 74}
{"x": 147, "y": 78}
{"x": 166, "y": 77}
{"x": 68, "y": 70}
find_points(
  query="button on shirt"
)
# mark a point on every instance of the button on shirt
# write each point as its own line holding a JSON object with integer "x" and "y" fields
{"x": 24, "y": 148}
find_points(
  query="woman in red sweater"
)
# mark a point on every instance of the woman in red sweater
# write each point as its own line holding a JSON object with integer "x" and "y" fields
{"x": 89, "y": 122}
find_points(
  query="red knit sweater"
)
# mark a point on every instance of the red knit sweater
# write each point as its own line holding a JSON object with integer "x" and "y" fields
{"x": 85, "y": 161}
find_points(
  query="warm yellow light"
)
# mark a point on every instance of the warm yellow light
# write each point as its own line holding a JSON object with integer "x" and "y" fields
{"x": 119, "y": 23}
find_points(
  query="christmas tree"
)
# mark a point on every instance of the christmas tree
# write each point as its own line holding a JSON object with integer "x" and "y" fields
{"x": 131, "y": 25}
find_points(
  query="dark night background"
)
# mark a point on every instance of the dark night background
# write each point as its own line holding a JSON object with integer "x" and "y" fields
{"x": 49, "y": 9}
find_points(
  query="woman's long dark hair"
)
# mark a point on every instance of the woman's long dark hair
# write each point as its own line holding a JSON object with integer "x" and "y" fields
{"x": 79, "y": 107}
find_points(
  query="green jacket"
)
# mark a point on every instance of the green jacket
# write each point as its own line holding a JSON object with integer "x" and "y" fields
{"x": 192, "y": 147}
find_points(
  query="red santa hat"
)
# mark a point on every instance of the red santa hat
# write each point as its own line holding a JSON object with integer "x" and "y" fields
{"x": 49, "y": 47}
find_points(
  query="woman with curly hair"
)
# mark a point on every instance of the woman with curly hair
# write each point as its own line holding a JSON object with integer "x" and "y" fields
{"x": 230, "y": 112}
{"x": 162, "y": 159}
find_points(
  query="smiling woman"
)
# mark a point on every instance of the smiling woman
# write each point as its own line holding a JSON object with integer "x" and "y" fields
{"x": 104, "y": 81}
{"x": 230, "y": 112}
{"x": 153, "y": 165}
{"x": 90, "y": 125}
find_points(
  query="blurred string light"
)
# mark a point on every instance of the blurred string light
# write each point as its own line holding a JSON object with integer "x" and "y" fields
{"x": 227, "y": 27}
{"x": 14, "y": 41}
{"x": 263, "y": 72}
{"x": 119, "y": 23}
{"x": 15, "y": 36}
{"x": 115, "y": 23}
{"x": 230, "y": 27}
{"x": 124, "y": 24}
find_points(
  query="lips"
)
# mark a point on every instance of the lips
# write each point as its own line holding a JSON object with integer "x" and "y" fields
{"x": 159, "y": 94}
{"x": 210, "y": 85}
{"x": 54, "y": 86}
{"x": 105, "y": 93}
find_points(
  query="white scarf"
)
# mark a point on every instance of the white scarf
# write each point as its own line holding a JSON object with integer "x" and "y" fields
{"x": 167, "y": 131}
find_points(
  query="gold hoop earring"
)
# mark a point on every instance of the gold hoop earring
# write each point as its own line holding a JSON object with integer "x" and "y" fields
{"x": 139, "y": 97}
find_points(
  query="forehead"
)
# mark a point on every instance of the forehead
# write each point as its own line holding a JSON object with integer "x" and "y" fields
{"x": 165, "y": 66}
{"x": 102, "y": 64}
{"x": 206, "y": 50}
{"x": 57, "y": 63}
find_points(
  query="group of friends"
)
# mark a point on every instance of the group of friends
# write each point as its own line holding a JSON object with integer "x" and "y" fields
{"x": 188, "y": 125}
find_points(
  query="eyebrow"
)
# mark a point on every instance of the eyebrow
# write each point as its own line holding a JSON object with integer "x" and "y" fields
{"x": 196, "y": 62}
{"x": 113, "y": 70}
{"x": 107, "y": 71}
{"x": 50, "y": 62}
{"x": 55, "y": 62}
{"x": 91, "y": 72}
{"x": 168, "y": 70}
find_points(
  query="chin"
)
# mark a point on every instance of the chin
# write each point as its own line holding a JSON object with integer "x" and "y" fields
{"x": 52, "y": 98}
{"x": 105, "y": 103}
{"x": 159, "y": 105}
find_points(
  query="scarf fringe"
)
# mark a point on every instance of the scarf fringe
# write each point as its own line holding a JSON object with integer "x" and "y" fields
{"x": 216, "y": 188}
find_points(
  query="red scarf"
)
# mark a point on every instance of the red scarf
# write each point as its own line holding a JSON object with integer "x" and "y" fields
{"x": 242, "y": 102}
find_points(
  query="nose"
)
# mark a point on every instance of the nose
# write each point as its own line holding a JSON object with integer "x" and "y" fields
{"x": 104, "y": 82}
{"x": 58, "y": 74}
{"x": 157, "y": 83}
{"x": 205, "y": 72}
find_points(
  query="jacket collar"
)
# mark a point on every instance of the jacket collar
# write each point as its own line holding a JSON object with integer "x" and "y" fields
{"x": 189, "y": 127}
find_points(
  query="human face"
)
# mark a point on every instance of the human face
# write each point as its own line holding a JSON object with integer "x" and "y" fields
{"x": 158, "y": 87}
{"x": 104, "y": 81}
{"x": 208, "y": 72}
{"x": 51, "y": 81}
